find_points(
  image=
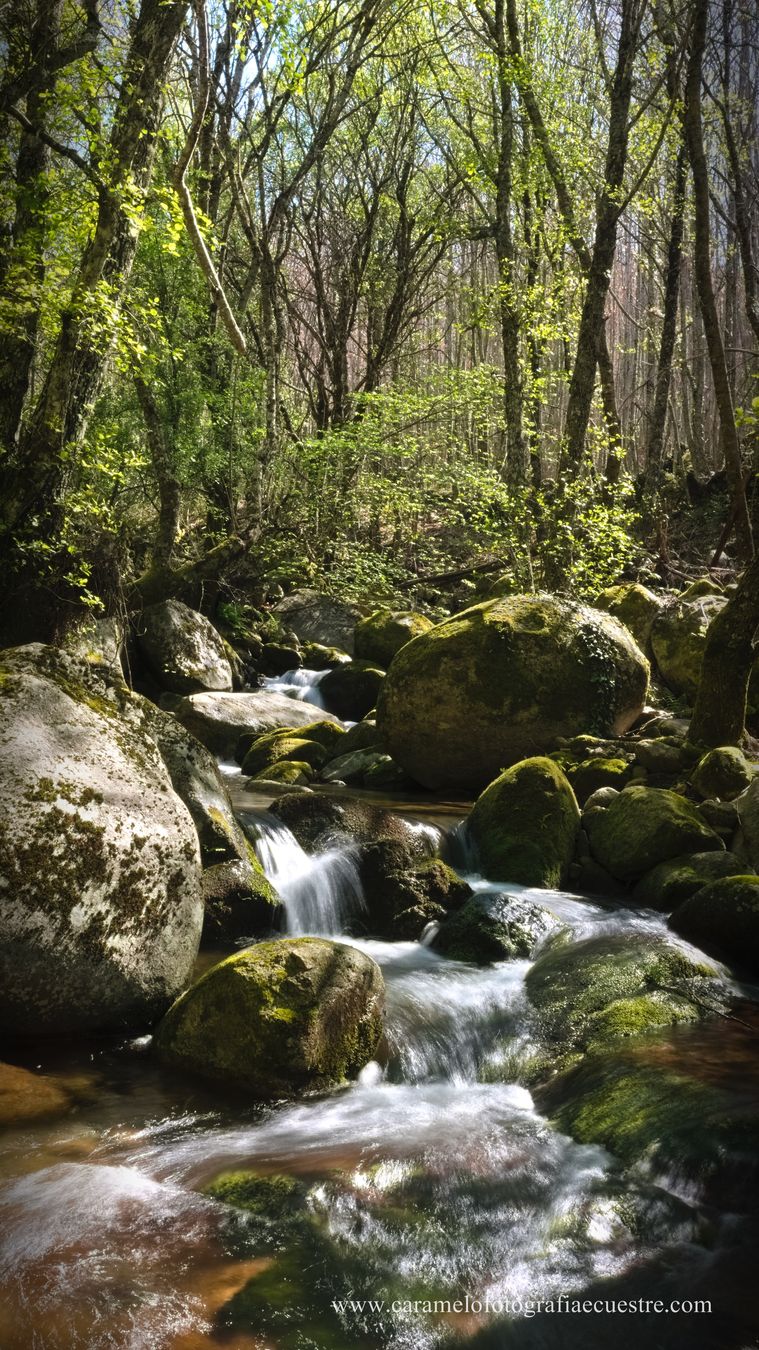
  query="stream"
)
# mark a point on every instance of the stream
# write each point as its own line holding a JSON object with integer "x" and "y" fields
{"x": 433, "y": 1177}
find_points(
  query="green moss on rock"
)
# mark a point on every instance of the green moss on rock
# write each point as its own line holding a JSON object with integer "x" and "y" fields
{"x": 270, "y": 750}
{"x": 724, "y": 773}
{"x": 724, "y": 918}
{"x": 350, "y": 691}
{"x": 643, "y": 827}
{"x": 635, "y": 606}
{"x": 495, "y": 927}
{"x": 280, "y": 1018}
{"x": 524, "y": 825}
{"x": 378, "y": 637}
{"x": 503, "y": 680}
{"x": 668, "y": 885}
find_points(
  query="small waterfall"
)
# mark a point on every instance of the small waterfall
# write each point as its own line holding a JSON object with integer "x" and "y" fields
{"x": 321, "y": 893}
{"x": 298, "y": 684}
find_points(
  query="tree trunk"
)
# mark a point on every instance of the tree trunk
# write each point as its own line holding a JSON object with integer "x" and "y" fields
{"x": 719, "y": 717}
{"x": 655, "y": 448}
{"x": 517, "y": 458}
{"x": 702, "y": 263}
{"x": 583, "y": 379}
{"x": 169, "y": 489}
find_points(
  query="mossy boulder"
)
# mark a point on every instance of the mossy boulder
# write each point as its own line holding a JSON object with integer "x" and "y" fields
{"x": 353, "y": 767}
{"x": 279, "y": 1019}
{"x": 328, "y": 734}
{"x": 240, "y": 902}
{"x": 378, "y": 637}
{"x": 748, "y": 815}
{"x": 723, "y": 917}
{"x": 502, "y": 681}
{"x": 182, "y": 649}
{"x": 272, "y": 749}
{"x": 319, "y": 822}
{"x": 495, "y": 927}
{"x": 635, "y": 606}
{"x": 276, "y": 658}
{"x": 318, "y": 657}
{"x": 585, "y": 993}
{"x": 724, "y": 773}
{"x": 385, "y": 773}
{"x": 643, "y": 827}
{"x": 219, "y": 720}
{"x": 672, "y": 882}
{"x": 350, "y": 691}
{"x": 100, "y": 897}
{"x": 286, "y": 771}
{"x": 602, "y": 771}
{"x": 362, "y": 736}
{"x": 524, "y": 825}
{"x": 402, "y": 894}
{"x": 274, "y": 1205}
{"x": 700, "y": 587}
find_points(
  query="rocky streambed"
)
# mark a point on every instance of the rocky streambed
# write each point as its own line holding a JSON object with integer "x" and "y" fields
{"x": 441, "y": 1075}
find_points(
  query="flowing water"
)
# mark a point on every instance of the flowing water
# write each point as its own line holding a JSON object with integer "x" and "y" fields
{"x": 298, "y": 684}
{"x": 430, "y": 1178}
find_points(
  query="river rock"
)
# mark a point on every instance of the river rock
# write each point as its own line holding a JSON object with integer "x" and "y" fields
{"x": 495, "y": 927}
{"x": 723, "y": 917}
{"x": 403, "y": 895}
{"x": 182, "y": 649}
{"x": 643, "y": 827}
{"x": 279, "y": 1019}
{"x": 219, "y": 720}
{"x": 668, "y": 885}
{"x": 723, "y": 773}
{"x": 524, "y": 825}
{"x": 635, "y": 606}
{"x": 378, "y": 637}
{"x": 320, "y": 822}
{"x": 277, "y": 659}
{"x": 275, "y": 747}
{"x": 26, "y": 1096}
{"x": 678, "y": 638}
{"x": 503, "y": 681}
{"x": 314, "y": 617}
{"x": 353, "y": 767}
{"x": 351, "y": 690}
{"x": 101, "y": 889}
{"x": 601, "y": 988}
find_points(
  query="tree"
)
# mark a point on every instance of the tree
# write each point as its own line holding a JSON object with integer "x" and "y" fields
{"x": 719, "y": 715}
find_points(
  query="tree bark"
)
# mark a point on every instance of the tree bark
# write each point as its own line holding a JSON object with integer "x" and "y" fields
{"x": 719, "y": 716}
{"x": 655, "y": 447}
{"x": 169, "y": 489}
{"x": 694, "y": 134}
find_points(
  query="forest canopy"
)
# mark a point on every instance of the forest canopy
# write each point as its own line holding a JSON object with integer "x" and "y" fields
{"x": 367, "y": 294}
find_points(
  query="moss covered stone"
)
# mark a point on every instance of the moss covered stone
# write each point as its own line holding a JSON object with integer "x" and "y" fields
{"x": 524, "y": 825}
{"x": 280, "y": 1018}
{"x": 182, "y": 649}
{"x": 678, "y": 637}
{"x": 353, "y": 767}
{"x": 240, "y": 902}
{"x": 668, "y": 885}
{"x": 287, "y": 771}
{"x": 724, "y": 773}
{"x": 723, "y": 917}
{"x": 378, "y": 637}
{"x": 635, "y": 606}
{"x": 319, "y": 821}
{"x": 590, "y": 775}
{"x": 273, "y": 749}
{"x": 403, "y": 895}
{"x": 643, "y": 827}
{"x": 100, "y": 900}
{"x": 350, "y": 691}
{"x": 219, "y": 720}
{"x": 606, "y": 987}
{"x": 362, "y": 736}
{"x": 503, "y": 680}
{"x": 495, "y": 927}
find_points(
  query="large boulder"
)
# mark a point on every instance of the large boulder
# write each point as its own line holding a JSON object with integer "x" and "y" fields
{"x": 378, "y": 637}
{"x": 643, "y": 827}
{"x": 314, "y": 617}
{"x": 635, "y": 606}
{"x": 182, "y": 649}
{"x": 283, "y": 1017}
{"x": 723, "y": 773}
{"x": 219, "y": 720}
{"x": 524, "y": 825}
{"x": 401, "y": 894}
{"x": 100, "y": 893}
{"x": 501, "y": 682}
{"x": 723, "y": 917}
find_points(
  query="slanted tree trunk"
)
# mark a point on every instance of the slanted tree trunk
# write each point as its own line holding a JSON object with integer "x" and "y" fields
{"x": 719, "y": 717}
{"x": 694, "y": 135}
